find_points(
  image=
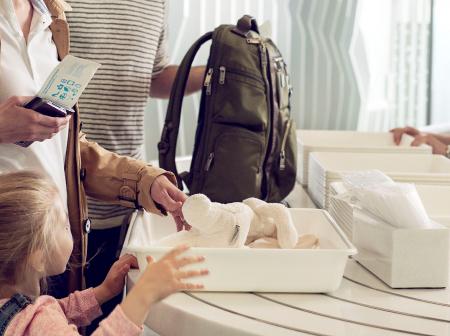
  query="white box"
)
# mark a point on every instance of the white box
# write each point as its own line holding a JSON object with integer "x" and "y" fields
{"x": 261, "y": 270}
{"x": 349, "y": 141}
{"x": 326, "y": 168}
{"x": 434, "y": 199}
{"x": 402, "y": 258}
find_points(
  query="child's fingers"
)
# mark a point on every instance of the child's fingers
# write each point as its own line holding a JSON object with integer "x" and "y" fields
{"x": 187, "y": 261}
{"x": 175, "y": 252}
{"x": 150, "y": 259}
{"x": 191, "y": 273}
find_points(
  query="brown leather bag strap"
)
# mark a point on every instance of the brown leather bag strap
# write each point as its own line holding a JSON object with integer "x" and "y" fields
{"x": 168, "y": 143}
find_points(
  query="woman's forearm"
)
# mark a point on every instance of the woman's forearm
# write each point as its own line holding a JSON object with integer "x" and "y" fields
{"x": 444, "y": 138}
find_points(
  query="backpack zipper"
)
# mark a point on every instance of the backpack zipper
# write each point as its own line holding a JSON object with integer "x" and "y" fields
{"x": 283, "y": 145}
{"x": 222, "y": 71}
{"x": 208, "y": 80}
{"x": 209, "y": 161}
{"x": 264, "y": 61}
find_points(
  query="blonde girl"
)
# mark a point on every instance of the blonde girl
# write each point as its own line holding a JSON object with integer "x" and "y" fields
{"x": 35, "y": 242}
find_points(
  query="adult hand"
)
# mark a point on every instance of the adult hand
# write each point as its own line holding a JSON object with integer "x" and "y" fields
{"x": 429, "y": 139}
{"x": 170, "y": 198}
{"x": 398, "y": 133}
{"x": 20, "y": 124}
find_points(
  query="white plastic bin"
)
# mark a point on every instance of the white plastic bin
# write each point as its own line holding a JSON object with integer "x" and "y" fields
{"x": 261, "y": 270}
{"x": 402, "y": 258}
{"x": 349, "y": 141}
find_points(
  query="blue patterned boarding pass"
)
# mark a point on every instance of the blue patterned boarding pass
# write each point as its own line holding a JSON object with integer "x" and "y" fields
{"x": 68, "y": 80}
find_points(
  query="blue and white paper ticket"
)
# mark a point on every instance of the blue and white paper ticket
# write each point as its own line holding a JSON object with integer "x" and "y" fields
{"x": 68, "y": 80}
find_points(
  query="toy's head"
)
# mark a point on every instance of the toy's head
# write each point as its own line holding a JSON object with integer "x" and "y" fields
{"x": 230, "y": 221}
{"x": 197, "y": 211}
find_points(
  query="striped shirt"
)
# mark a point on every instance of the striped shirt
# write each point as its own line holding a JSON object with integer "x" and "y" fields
{"x": 128, "y": 38}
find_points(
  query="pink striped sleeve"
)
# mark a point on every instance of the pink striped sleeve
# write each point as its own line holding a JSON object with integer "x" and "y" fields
{"x": 81, "y": 308}
{"x": 117, "y": 323}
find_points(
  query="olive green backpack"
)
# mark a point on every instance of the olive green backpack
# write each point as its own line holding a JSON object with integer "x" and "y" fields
{"x": 245, "y": 143}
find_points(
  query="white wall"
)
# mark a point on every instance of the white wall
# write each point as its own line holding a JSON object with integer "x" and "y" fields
{"x": 440, "y": 96}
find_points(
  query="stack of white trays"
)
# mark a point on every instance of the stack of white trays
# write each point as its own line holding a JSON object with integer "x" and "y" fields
{"x": 435, "y": 199}
{"x": 341, "y": 210}
{"x": 326, "y": 168}
{"x": 309, "y": 141}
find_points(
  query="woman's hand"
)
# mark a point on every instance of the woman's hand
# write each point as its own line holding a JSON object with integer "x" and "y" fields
{"x": 171, "y": 199}
{"x": 20, "y": 124}
{"x": 429, "y": 139}
{"x": 159, "y": 280}
{"x": 436, "y": 144}
{"x": 115, "y": 279}
{"x": 398, "y": 133}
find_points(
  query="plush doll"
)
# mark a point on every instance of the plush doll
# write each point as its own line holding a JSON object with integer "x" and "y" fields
{"x": 271, "y": 220}
{"x": 212, "y": 224}
{"x": 253, "y": 222}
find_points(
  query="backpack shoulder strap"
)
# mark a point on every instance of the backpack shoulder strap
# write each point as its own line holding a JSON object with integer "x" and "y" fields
{"x": 10, "y": 309}
{"x": 168, "y": 143}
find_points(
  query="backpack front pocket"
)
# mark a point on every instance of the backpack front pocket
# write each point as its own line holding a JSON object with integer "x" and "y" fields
{"x": 233, "y": 168}
{"x": 240, "y": 99}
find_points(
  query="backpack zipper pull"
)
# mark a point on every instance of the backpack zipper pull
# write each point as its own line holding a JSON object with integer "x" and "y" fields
{"x": 282, "y": 165}
{"x": 222, "y": 70}
{"x": 282, "y": 160}
{"x": 207, "y": 82}
{"x": 209, "y": 161}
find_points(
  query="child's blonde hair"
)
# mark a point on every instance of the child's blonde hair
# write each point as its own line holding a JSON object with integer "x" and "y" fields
{"x": 28, "y": 208}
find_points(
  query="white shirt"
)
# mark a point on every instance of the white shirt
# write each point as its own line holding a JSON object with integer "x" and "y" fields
{"x": 24, "y": 67}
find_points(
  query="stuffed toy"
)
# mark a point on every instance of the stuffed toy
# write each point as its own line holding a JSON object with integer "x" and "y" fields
{"x": 271, "y": 220}
{"x": 212, "y": 224}
{"x": 252, "y": 222}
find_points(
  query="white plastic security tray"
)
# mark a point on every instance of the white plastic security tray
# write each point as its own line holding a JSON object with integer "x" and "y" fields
{"x": 260, "y": 270}
{"x": 349, "y": 141}
{"x": 434, "y": 199}
{"x": 326, "y": 167}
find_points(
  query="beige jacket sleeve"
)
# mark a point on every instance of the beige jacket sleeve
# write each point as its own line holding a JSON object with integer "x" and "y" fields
{"x": 118, "y": 179}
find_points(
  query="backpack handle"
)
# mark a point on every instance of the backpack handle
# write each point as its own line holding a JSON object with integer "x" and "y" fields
{"x": 247, "y": 23}
{"x": 168, "y": 144}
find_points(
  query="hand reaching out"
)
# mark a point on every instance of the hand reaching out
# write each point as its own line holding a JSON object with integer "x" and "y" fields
{"x": 419, "y": 139}
{"x": 160, "y": 279}
{"x": 399, "y": 131}
{"x": 166, "y": 276}
{"x": 171, "y": 199}
{"x": 115, "y": 279}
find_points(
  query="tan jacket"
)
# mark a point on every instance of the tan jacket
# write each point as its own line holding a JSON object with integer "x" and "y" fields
{"x": 94, "y": 171}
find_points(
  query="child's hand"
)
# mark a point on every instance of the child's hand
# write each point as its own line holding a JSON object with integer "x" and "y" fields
{"x": 115, "y": 279}
{"x": 159, "y": 280}
{"x": 165, "y": 276}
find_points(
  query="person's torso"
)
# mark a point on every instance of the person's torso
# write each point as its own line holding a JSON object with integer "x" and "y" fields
{"x": 24, "y": 67}
{"x": 124, "y": 38}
